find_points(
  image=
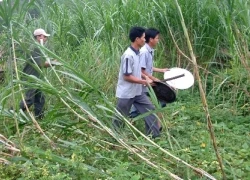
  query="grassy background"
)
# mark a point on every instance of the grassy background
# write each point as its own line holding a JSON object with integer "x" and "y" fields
{"x": 88, "y": 37}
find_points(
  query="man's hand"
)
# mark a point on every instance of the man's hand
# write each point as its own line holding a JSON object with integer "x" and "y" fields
{"x": 164, "y": 70}
{"x": 156, "y": 80}
{"x": 147, "y": 81}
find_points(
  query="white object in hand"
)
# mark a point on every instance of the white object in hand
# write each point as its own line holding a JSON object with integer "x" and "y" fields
{"x": 184, "y": 82}
{"x": 41, "y": 42}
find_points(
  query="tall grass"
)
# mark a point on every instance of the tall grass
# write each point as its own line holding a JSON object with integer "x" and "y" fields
{"x": 88, "y": 37}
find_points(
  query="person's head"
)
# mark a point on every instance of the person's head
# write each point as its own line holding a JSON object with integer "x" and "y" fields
{"x": 137, "y": 35}
{"x": 40, "y": 35}
{"x": 152, "y": 36}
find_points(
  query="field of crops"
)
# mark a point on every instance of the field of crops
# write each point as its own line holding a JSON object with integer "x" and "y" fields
{"x": 206, "y": 132}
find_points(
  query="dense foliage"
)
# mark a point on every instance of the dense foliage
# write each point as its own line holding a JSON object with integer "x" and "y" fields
{"x": 75, "y": 140}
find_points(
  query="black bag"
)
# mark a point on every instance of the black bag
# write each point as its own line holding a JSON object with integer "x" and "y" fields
{"x": 164, "y": 92}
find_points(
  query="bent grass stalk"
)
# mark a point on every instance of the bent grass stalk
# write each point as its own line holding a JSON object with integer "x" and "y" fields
{"x": 15, "y": 66}
{"x": 10, "y": 146}
{"x": 200, "y": 171}
{"x": 208, "y": 72}
{"x": 114, "y": 135}
{"x": 38, "y": 127}
{"x": 20, "y": 88}
{"x": 120, "y": 140}
{"x": 203, "y": 96}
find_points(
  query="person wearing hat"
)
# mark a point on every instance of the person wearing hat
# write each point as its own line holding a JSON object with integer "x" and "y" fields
{"x": 33, "y": 66}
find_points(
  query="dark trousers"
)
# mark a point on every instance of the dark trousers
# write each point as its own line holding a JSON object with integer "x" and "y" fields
{"x": 143, "y": 105}
{"x": 34, "y": 97}
{"x": 134, "y": 112}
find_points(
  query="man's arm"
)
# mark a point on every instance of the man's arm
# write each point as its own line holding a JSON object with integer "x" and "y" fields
{"x": 133, "y": 79}
{"x": 160, "y": 69}
{"x": 145, "y": 62}
{"x": 146, "y": 74}
{"x": 40, "y": 60}
{"x": 52, "y": 63}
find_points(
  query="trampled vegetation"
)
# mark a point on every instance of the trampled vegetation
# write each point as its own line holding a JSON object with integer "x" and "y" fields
{"x": 75, "y": 140}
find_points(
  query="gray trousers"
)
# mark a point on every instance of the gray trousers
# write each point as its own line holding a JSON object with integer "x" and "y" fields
{"x": 143, "y": 105}
{"x": 36, "y": 97}
{"x": 134, "y": 112}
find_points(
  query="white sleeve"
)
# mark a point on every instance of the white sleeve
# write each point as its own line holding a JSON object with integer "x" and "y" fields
{"x": 127, "y": 65}
{"x": 143, "y": 60}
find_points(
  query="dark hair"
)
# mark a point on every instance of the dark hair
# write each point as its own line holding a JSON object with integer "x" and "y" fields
{"x": 151, "y": 33}
{"x": 136, "y": 32}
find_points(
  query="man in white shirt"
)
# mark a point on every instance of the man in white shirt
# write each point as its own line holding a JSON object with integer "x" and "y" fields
{"x": 146, "y": 62}
{"x": 129, "y": 87}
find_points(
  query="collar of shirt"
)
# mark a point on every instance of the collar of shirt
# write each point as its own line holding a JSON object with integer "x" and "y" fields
{"x": 136, "y": 51}
{"x": 150, "y": 50}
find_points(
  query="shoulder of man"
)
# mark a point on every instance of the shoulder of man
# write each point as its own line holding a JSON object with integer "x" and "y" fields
{"x": 144, "y": 50}
{"x": 129, "y": 53}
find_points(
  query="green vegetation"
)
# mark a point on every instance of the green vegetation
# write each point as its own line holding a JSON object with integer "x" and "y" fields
{"x": 75, "y": 140}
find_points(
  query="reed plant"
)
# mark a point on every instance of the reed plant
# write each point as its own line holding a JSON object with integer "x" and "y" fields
{"x": 75, "y": 140}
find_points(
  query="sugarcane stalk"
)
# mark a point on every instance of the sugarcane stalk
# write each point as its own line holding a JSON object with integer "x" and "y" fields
{"x": 202, "y": 93}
